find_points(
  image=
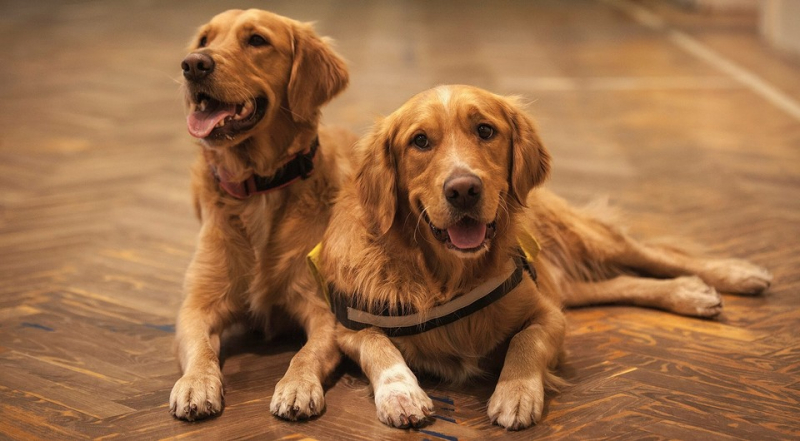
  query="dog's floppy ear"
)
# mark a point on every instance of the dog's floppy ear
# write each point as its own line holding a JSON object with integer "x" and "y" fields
{"x": 529, "y": 159}
{"x": 376, "y": 180}
{"x": 318, "y": 73}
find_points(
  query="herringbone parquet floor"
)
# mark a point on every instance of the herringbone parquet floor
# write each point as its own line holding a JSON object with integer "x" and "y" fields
{"x": 686, "y": 120}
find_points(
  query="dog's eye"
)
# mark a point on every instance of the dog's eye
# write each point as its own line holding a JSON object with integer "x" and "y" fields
{"x": 420, "y": 141}
{"x": 257, "y": 40}
{"x": 203, "y": 42}
{"x": 485, "y": 131}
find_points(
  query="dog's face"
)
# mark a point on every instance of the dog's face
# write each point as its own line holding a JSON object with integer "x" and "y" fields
{"x": 245, "y": 67}
{"x": 459, "y": 159}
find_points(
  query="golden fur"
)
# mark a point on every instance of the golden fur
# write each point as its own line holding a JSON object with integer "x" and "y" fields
{"x": 249, "y": 262}
{"x": 380, "y": 249}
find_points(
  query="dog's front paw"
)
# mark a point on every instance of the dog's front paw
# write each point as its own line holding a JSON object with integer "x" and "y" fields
{"x": 737, "y": 276}
{"x": 517, "y": 403}
{"x": 297, "y": 398}
{"x": 402, "y": 404}
{"x": 690, "y": 296}
{"x": 196, "y": 396}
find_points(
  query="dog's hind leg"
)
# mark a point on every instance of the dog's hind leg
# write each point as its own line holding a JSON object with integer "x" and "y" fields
{"x": 687, "y": 295}
{"x": 600, "y": 250}
{"x": 733, "y": 276}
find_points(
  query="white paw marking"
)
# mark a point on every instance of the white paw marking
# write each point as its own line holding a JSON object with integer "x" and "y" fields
{"x": 399, "y": 400}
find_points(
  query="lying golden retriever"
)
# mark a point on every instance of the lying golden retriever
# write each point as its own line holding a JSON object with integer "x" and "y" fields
{"x": 431, "y": 258}
{"x": 263, "y": 186}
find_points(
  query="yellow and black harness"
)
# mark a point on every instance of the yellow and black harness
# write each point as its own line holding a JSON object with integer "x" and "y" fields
{"x": 353, "y": 317}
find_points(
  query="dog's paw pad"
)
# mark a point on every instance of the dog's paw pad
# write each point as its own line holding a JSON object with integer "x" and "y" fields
{"x": 297, "y": 398}
{"x": 737, "y": 276}
{"x": 402, "y": 404}
{"x": 691, "y": 296}
{"x": 196, "y": 397}
{"x": 517, "y": 403}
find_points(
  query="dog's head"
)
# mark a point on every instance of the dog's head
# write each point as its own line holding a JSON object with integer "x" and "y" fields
{"x": 456, "y": 160}
{"x": 247, "y": 68}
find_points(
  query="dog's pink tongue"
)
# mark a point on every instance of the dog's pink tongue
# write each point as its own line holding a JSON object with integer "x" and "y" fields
{"x": 467, "y": 234}
{"x": 201, "y": 123}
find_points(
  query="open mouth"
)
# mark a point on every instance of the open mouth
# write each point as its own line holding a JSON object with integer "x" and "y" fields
{"x": 213, "y": 119}
{"x": 467, "y": 235}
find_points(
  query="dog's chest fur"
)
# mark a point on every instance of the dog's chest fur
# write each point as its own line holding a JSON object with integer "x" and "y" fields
{"x": 275, "y": 234}
{"x": 472, "y": 345}
{"x": 281, "y": 242}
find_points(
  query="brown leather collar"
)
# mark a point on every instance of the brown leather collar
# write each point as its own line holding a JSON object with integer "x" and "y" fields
{"x": 299, "y": 167}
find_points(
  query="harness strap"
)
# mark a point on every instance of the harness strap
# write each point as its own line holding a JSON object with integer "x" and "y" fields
{"x": 416, "y": 323}
{"x": 398, "y": 325}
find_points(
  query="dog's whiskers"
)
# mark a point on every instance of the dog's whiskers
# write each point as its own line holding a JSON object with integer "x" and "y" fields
{"x": 416, "y": 227}
{"x": 176, "y": 80}
{"x": 504, "y": 207}
{"x": 291, "y": 112}
{"x": 420, "y": 218}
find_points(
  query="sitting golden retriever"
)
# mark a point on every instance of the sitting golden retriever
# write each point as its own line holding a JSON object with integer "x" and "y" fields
{"x": 263, "y": 186}
{"x": 431, "y": 259}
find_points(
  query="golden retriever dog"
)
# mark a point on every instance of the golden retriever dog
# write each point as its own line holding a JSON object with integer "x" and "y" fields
{"x": 263, "y": 187}
{"x": 431, "y": 259}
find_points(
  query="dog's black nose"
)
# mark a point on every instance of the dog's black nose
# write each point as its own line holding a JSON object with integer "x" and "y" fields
{"x": 197, "y": 66}
{"x": 463, "y": 191}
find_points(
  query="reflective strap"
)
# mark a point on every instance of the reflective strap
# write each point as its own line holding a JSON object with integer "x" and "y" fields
{"x": 417, "y": 323}
{"x": 409, "y": 324}
{"x": 437, "y": 312}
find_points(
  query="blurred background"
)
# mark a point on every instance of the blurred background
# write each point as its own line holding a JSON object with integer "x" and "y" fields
{"x": 684, "y": 113}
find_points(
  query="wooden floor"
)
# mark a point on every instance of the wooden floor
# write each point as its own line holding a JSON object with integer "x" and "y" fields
{"x": 686, "y": 120}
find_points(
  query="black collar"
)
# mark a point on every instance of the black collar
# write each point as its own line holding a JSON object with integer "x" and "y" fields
{"x": 299, "y": 167}
{"x": 351, "y": 316}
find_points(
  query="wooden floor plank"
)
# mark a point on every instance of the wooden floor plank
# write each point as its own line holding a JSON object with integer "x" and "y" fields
{"x": 97, "y": 225}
